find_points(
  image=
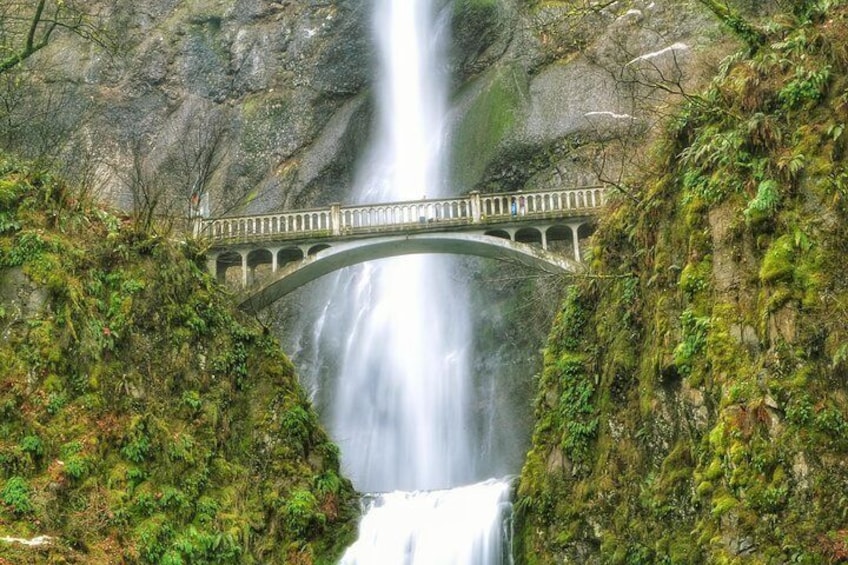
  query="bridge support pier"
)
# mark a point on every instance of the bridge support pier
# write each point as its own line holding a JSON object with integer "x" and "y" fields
{"x": 336, "y": 218}
{"x": 275, "y": 261}
{"x": 575, "y": 237}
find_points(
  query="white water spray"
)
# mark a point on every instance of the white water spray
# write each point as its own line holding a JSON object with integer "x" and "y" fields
{"x": 462, "y": 526}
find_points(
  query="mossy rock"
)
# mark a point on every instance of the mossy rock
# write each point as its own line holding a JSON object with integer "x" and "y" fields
{"x": 489, "y": 108}
{"x": 143, "y": 417}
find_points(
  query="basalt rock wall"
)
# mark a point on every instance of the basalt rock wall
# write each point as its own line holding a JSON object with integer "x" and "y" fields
{"x": 266, "y": 105}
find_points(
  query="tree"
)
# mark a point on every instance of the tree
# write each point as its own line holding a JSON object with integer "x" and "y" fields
{"x": 26, "y": 29}
{"x": 164, "y": 186}
{"x": 38, "y": 114}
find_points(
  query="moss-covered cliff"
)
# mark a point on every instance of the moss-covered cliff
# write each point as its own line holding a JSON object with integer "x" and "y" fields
{"x": 141, "y": 419}
{"x": 693, "y": 407}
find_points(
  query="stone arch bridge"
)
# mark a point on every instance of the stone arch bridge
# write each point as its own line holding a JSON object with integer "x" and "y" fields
{"x": 276, "y": 253}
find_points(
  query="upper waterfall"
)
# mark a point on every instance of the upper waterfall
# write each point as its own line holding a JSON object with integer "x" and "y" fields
{"x": 401, "y": 400}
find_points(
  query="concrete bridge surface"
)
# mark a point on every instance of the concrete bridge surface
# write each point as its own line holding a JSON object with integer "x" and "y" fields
{"x": 280, "y": 252}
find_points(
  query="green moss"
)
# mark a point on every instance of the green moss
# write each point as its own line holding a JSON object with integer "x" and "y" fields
{"x": 778, "y": 261}
{"x": 495, "y": 101}
{"x": 764, "y": 204}
{"x": 695, "y": 277}
{"x": 720, "y": 392}
{"x": 138, "y": 405}
{"x": 722, "y": 504}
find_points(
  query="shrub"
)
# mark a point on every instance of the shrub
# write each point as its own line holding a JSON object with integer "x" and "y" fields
{"x": 32, "y": 445}
{"x": 16, "y": 493}
{"x": 301, "y": 512}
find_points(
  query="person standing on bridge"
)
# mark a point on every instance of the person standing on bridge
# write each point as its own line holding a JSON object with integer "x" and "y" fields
{"x": 521, "y": 209}
{"x": 513, "y": 207}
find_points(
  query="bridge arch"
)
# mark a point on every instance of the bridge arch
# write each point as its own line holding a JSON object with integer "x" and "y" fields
{"x": 560, "y": 238}
{"x": 288, "y": 255}
{"x": 317, "y": 248}
{"x": 350, "y": 253}
{"x": 226, "y": 260}
{"x": 259, "y": 257}
{"x": 585, "y": 230}
{"x": 503, "y": 234}
{"x": 529, "y": 235}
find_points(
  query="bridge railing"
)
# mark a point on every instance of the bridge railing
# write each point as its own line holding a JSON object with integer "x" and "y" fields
{"x": 474, "y": 208}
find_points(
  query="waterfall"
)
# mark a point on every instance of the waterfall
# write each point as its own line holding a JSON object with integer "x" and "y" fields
{"x": 401, "y": 403}
{"x": 401, "y": 397}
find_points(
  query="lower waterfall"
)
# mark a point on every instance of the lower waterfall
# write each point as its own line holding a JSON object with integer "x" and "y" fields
{"x": 461, "y": 526}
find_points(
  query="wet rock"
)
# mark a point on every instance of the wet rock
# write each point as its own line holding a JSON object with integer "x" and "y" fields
{"x": 19, "y": 297}
{"x": 481, "y": 31}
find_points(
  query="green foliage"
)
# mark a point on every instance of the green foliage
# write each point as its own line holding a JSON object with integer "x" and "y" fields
{"x": 16, "y": 494}
{"x": 301, "y": 513}
{"x": 8, "y": 223}
{"x": 807, "y": 87}
{"x": 55, "y": 402}
{"x": 153, "y": 536}
{"x": 765, "y": 203}
{"x": 137, "y": 449}
{"x": 191, "y": 398}
{"x": 137, "y": 404}
{"x": 694, "y": 338}
{"x": 28, "y": 246}
{"x": 33, "y": 445}
{"x": 572, "y": 321}
{"x": 577, "y": 411}
{"x": 328, "y": 483}
{"x": 297, "y": 423}
{"x": 75, "y": 463}
{"x": 750, "y": 211}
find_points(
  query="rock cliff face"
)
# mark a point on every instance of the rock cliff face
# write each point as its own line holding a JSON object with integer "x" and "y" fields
{"x": 265, "y": 104}
{"x": 260, "y": 103}
{"x": 570, "y": 83}
{"x": 693, "y": 405}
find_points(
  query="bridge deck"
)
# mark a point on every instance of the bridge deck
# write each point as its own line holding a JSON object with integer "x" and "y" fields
{"x": 474, "y": 210}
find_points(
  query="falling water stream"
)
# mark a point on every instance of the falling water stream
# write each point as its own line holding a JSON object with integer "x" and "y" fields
{"x": 402, "y": 396}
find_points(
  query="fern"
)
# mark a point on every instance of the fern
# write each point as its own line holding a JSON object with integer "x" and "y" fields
{"x": 791, "y": 165}
{"x": 765, "y": 202}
